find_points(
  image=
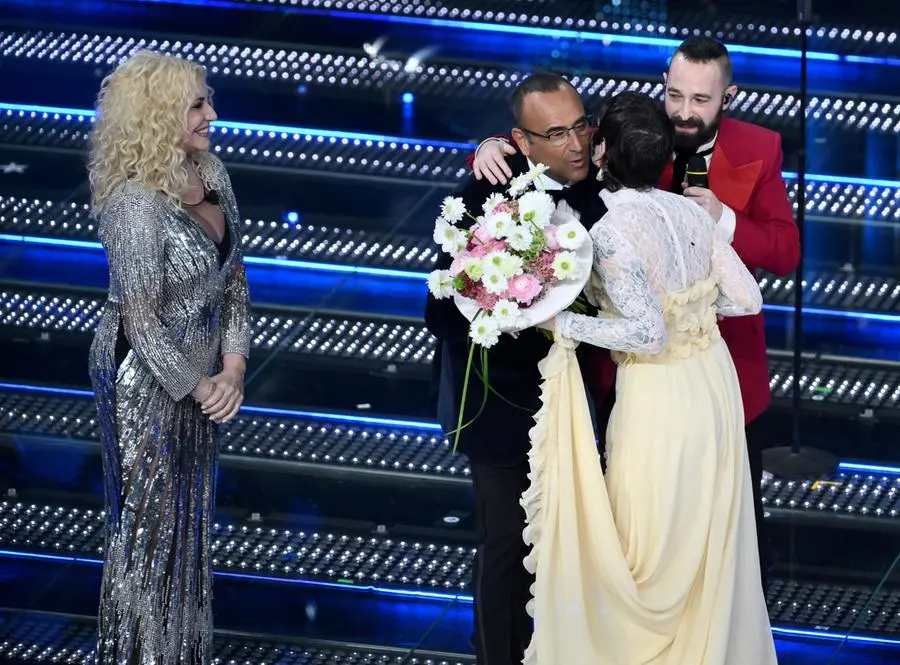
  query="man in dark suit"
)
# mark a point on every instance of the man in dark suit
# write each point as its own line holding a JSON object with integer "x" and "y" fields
{"x": 746, "y": 197}
{"x": 551, "y": 128}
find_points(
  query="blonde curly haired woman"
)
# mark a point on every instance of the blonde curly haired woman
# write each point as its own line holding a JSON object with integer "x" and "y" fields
{"x": 168, "y": 359}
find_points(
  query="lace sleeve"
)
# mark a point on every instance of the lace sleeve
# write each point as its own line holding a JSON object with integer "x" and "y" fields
{"x": 640, "y": 327}
{"x": 739, "y": 293}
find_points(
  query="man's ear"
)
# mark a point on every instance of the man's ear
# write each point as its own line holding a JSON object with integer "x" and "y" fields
{"x": 730, "y": 96}
{"x": 521, "y": 139}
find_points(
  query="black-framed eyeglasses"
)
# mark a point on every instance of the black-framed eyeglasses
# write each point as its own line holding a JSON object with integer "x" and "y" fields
{"x": 558, "y": 137}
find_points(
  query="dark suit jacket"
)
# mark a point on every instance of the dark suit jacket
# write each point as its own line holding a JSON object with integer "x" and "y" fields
{"x": 499, "y": 435}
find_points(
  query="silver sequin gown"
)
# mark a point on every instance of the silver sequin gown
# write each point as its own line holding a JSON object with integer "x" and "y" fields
{"x": 177, "y": 302}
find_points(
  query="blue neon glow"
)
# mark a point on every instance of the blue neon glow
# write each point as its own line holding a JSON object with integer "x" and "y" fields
{"x": 333, "y": 267}
{"x": 428, "y": 595}
{"x": 343, "y": 418}
{"x": 843, "y": 180}
{"x": 251, "y": 260}
{"x": 262, "y": 410}
{"x": 292, "y": 217}
{"x": 825, "y": 635}
{"x": 408, "y": 98}
{"x": 384, "y": 591}
{"x": 818, "y": 311}
{"x": 55, "y": 242}
{"x": 47, "y": 390}
{"x": 51, "y": 557}
{"x": 869, "y": 468}
{"x": 236, "y": 127}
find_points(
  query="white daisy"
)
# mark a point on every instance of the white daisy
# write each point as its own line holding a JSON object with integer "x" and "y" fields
{"x": 518, "y": 184}
{"x": 498, "y": 224}
{"x": 494, "y": 280}
{"x": 440, "y": 283}
{"x": 570, "y": 235}
{"x": 536, "y": 208}
{"x": 520, "y": 237}
{"x": 484, "y": 331}
{"x": 492, "y": 202}
{"x": 537, "y": 171}
{"x": 474, "y": 268}
{"x": 451, "y": 239}
{"x": 495, "y": 259}
{"x": 511, "y": 265}
{"x": 506, "y": 314}
{"x": 453, "y": 209}
{"x": 565, "y": 265}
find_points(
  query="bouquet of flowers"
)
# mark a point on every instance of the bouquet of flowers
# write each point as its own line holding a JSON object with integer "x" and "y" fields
{"x": 518, "y": 263}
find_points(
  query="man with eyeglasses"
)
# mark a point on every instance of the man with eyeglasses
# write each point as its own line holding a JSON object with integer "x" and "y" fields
{"x": 551, "y": 128}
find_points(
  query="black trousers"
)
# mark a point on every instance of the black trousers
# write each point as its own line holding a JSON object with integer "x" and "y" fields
{"x": 755, "y": 443}
{"x": 500, "y": 584}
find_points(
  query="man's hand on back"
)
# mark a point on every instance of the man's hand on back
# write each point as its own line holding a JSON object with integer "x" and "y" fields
{"x": 490, "y": 161}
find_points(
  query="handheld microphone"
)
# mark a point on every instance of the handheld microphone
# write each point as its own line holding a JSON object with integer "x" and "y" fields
{"x": 697, "y": 173}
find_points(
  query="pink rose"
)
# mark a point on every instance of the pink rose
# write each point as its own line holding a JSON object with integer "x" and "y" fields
{"x": 481, "y": 234}
{"x": 523, "y": 288}
{"x": 488, "y": 247}
{"x": 459, "y": 263}
{"x": 550, "y": 236}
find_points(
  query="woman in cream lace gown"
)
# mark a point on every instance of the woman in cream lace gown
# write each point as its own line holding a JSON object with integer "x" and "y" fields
{"x": 655, "y": 563}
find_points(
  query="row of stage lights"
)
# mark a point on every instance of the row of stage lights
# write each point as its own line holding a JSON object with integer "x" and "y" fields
{"x": 350, "y": 559}
{"x": 412, "y": 447}
{"x": 410, "y": 343}
{"x": 407, "y": 159}
{"x": 304, "y": 68}
{"x": 647, "y": 24}
{"x": 409, "y": 255}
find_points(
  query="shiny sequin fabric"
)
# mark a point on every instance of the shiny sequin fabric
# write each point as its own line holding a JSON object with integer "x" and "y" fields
{"x": 181, "y": 302}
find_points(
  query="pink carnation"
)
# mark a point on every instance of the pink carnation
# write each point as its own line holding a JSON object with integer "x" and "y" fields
{"x": 486, "y": 300}
{"x": 542, "y": 267}
{"x": 470, "y": 289}
{"x": 524, "y": 288}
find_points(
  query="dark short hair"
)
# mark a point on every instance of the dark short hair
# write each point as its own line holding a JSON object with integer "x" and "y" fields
{"x": 540, "y": 82}
{"x": 639, "y": 140}
{"x": 706, "y": 49}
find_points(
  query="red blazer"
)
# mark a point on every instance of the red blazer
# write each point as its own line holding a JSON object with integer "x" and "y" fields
{"x": 745, "y": 174}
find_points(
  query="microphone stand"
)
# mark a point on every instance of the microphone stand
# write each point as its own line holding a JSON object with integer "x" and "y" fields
{"x": 795, "y": 462}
